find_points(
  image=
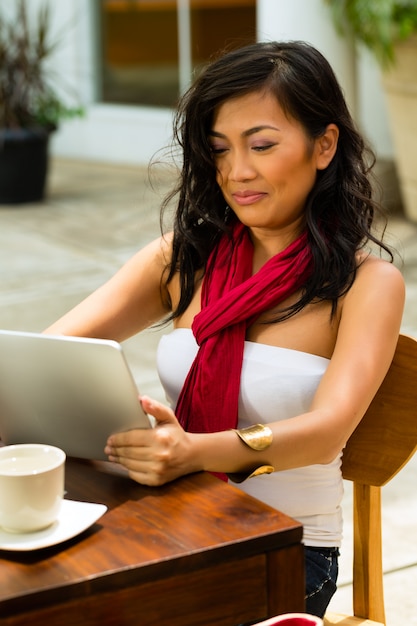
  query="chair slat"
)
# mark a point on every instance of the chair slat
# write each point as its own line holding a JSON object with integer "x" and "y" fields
{"x": 386, "y": 437}
{"x": 368, "y": 588}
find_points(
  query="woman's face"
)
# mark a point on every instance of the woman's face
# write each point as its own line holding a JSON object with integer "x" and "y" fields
{"x": 266, "y": 164}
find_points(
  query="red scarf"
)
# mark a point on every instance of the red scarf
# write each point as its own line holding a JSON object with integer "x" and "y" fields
{"x": 231, "y": 300}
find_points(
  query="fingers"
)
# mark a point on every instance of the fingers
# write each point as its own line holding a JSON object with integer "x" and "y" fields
{"x": 159, "y": 411}
{"x": 125, "y": 450}
{"x": 142, "y": 437}
{"x": 146, "y": 468}
{"x": 151, "y": 455}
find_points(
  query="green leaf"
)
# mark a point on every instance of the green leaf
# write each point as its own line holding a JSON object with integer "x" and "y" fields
{"x": 378, "y": 24}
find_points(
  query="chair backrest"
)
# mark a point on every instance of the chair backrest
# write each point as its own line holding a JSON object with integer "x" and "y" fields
{"x": 386, "y": 437}
{"x": 381, "y": 445}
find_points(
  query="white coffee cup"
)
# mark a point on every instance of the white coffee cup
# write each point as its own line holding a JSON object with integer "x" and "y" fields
{"x": 31, "y": 486}
{"x": 293, "y": 619}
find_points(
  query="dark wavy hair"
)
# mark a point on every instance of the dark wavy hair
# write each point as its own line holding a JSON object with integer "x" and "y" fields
{"x": 339, "y": 211}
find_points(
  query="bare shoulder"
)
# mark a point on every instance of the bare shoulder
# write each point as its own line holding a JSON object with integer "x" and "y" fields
{"x": 160, "y": 249}
{"x": 165, "y": 245}
{"x": 151, "y": 260}
{"x": 378, "y": 286}
{"x": 380, "y": 273}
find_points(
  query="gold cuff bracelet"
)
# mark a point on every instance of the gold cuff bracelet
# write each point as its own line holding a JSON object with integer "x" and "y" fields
{"x": 258, "y": 437}
{"x": 239, "y": 477}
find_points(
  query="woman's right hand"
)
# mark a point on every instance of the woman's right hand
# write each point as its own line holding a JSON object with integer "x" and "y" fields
{"x": 156, "y": 455}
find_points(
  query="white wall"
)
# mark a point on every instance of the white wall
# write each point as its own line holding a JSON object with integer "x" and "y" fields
{"x": 373, "y": 112}
{"x": 310, "y": 20}
{"x": 123, "y": 134}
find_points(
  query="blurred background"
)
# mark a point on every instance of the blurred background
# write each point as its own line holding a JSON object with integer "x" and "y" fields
{"x": 127, "y": 61}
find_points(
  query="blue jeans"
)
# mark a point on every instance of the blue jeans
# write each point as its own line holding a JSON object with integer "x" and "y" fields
{"x": 321, "y": 575}
{"x": 321, "y": 569}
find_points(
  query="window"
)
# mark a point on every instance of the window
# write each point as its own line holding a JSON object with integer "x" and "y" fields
{"x": 149, "y": 49}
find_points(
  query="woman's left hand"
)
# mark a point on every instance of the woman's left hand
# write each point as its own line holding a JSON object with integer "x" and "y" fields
{"x": 157, "y": 455}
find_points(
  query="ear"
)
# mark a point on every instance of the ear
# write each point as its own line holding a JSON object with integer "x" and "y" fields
{"x": 326, "y": 146}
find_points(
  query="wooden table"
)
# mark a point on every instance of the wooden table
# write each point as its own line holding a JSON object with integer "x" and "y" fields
{"x": 195, "y": 552}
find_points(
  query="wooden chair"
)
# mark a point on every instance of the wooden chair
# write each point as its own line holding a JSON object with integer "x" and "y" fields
{"x": 381, "y": 445}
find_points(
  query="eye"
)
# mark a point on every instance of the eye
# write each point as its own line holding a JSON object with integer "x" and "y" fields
{"x": 217, "y": 149}
{"x": 263, "y": 147}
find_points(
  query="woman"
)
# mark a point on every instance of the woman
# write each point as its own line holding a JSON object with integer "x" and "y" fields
{"x": 282, "y": 317}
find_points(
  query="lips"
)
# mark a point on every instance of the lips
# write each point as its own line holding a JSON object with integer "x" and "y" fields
{"x": 246, "y": 197}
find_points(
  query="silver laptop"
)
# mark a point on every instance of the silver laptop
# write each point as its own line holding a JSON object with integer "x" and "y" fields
{"x": 69, "y": 392}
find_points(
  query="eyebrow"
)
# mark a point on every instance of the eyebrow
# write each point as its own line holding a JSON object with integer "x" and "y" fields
{"x": 246, "y": 133}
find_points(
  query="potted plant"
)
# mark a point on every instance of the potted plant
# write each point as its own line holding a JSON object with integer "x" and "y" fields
{"x": 30, "y": 107}
{"x": 389, "y": 29}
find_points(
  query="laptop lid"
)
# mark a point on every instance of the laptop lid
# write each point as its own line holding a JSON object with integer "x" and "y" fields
{"x": 70, "y": 392}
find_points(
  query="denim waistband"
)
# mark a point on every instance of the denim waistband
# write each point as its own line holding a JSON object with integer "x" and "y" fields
{"x": 324, "y": 551}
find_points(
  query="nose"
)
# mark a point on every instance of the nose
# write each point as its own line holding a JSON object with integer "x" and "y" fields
{"x": 240, "y": 167}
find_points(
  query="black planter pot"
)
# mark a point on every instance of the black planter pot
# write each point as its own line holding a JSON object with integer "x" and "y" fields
{"x": 23, "y": 164}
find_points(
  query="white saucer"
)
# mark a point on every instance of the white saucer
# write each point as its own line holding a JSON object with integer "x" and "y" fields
{"x": 73, "y": 518}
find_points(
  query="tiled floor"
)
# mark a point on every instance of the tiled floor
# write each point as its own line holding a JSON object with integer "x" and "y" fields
{"x": 52, "y": 254}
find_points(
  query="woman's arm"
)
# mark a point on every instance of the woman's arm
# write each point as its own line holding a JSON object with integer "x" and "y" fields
{"x": 366, "y": 341}
{"x": 133, "y": 299}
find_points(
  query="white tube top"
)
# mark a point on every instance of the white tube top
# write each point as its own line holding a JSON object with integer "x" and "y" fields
{"x": 276, "y": 383}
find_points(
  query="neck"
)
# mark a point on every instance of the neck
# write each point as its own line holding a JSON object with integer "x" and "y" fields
{"x": 267, "y": 243}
